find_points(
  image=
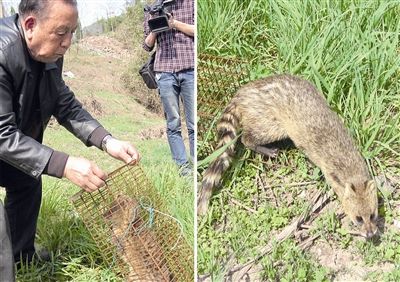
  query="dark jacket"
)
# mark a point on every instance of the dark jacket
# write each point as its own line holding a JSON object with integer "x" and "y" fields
{"x": 19, "y": 148}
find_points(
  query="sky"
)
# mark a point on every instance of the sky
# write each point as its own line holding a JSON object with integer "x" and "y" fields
{"x": 89, "y": 10}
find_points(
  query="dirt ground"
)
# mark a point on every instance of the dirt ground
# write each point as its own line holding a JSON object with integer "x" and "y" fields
{"x": 346, "y": 264}
{"x": 106, "y": 46}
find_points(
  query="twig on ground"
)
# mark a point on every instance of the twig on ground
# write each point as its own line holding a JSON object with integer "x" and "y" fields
{"x": 258, "y": 184}
{"x": 236, "y": 202}
{"x": 355, "y": 233}
{"x": 203, "y": 278}
{"x": 298, "y": 184}
{"x": 273, "y": 194}
{"x": 307, "y": 243}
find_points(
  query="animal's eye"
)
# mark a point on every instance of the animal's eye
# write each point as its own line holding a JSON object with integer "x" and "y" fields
{"x": 372, "y": 217}
{"x": 359, "y": 219}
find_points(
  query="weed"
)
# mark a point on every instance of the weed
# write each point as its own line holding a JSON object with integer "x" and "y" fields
{"x": 287, "y": 263}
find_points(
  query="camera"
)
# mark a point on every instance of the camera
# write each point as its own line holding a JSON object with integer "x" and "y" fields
{"x": 159, "y": 10}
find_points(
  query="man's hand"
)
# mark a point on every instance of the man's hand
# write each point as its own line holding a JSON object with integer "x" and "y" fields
{"x": 122, "y": 150}
{"x": 187, "y": 29}
{"x": 171, "y": 21}
{"x": 84, "y": 173}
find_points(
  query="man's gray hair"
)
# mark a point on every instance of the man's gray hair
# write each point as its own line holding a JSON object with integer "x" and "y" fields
{"x": 38, "y": 7}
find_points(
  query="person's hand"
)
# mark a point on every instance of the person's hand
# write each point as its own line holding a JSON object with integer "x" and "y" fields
{"x": 122, "y": 150}
{"x": 84, "y": 173}
{"x": 171, "y": 21}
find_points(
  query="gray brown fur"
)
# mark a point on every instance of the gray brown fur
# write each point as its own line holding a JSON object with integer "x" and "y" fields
{"x": 286, "y": 106}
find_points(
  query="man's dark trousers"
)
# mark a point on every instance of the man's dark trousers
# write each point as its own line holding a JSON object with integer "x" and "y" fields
{"x": 22, "y": 204}
{"x": 6, "y": 255}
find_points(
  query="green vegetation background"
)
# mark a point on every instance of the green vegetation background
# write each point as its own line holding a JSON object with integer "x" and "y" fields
{"x": 350, "y": 49}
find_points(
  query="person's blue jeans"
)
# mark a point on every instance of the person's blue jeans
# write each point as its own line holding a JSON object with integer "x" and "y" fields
{"x": 173, "y": 87}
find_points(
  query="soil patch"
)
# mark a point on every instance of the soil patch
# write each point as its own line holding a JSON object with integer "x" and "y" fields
{"x": 93, "y": 106}
{"x": 105, "y": 46}
{"x": 347, "y": 265}
{"x": 158, "y": 132}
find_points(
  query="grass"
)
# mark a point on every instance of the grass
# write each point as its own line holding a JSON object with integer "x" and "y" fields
{"x": 75, "y": 256}
{"x": 351, "y": 51}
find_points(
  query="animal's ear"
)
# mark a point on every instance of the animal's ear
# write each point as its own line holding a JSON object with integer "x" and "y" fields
{"x": 349, "y": 190}
{"x": 370, "y": 186}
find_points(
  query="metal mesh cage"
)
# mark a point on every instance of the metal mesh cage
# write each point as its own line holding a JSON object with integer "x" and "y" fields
{"x": 218, "y": 79}
{"x": 132, "y": 229}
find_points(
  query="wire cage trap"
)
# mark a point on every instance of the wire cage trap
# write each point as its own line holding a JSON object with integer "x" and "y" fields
{"x": 130, "y": 225}
{"x": 218, "y": 79}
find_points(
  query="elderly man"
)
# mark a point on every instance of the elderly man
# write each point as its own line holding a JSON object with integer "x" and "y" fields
{"x": 32, "y": 45}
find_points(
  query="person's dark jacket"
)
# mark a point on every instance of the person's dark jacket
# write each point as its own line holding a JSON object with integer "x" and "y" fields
{"x": 19, "y": 148}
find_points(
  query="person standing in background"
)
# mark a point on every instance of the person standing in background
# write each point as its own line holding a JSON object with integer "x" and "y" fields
{"x": 174, "y": 68}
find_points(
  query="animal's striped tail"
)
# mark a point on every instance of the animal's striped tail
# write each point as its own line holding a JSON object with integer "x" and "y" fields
{"x": 227, "y": 131}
